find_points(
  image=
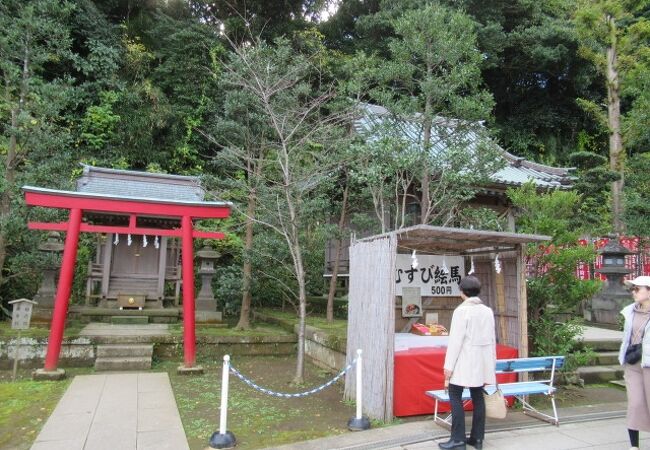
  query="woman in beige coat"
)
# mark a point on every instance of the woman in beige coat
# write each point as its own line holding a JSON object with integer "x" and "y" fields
{"x": 470, "y": 362}
{"x": 636, "y": 330}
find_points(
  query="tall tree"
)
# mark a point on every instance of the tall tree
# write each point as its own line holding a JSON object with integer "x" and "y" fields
{"x": 35, "y": 38}
{"x": 602, "y": 25}
{"x": 433, "y": 77}
{"x": 305, "y": 130}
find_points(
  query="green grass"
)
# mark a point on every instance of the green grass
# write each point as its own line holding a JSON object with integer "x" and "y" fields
{"x": 257, "y": 330}
{"x": 25, "y": 405}
{"x": 41, "y": 330}
{"x": 337, "y": 328}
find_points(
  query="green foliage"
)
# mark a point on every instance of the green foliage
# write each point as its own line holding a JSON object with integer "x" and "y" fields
{"x": 637, "y": 195}
{"x": 99, "y": 124}
{"x": 481, "y": 218}
{"x": 228, "y": 288}
{"x": 553, "y": 289}
{"x": 548, "y": 214}
{"x": 592, "y": 183}
{"x": 556, "y": 338}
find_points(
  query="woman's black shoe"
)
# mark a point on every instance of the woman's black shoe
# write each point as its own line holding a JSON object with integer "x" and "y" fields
{"x": 452, "y": 444}
{"x": 476, "y": 443}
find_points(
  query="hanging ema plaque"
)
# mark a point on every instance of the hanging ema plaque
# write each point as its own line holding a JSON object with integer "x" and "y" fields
{"x": 436, "y": 276}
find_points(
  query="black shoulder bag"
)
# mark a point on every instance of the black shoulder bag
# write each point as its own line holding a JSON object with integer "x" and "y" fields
{"x": 634, "y": 351}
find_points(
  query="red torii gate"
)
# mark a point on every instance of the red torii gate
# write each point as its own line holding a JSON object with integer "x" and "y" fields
{"x": 77, "y": 203}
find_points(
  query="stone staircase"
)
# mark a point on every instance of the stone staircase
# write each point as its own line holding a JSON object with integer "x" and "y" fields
{"x": 605, "y": 368}
{"x": 124, "y": 357}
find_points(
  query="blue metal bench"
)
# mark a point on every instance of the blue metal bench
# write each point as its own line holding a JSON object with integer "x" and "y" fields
{"x": 520, "y": 390}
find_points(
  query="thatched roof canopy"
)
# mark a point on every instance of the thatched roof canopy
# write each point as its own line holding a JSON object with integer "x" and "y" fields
{"x": 438, "y": 240}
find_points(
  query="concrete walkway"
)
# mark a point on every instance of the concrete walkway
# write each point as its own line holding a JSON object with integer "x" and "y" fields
{"x": 599, "y": 427}
{"x": 126, "y": 411}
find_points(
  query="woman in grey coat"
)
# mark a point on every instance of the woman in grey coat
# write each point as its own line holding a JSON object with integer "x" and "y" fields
{"x": 637, "y": 373}
{"x": 470, "y": 362}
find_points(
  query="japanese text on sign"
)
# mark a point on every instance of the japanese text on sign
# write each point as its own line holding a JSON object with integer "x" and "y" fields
{"x": 430, "y": 274}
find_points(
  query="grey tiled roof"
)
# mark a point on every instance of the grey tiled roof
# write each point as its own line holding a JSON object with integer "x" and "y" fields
{"x": 517, "y": 171}
{"x": 133, "y": 184}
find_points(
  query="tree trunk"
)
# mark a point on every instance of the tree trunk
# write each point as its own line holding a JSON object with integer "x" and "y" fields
{"x": 337, "y": 256}
{"x": 244, "y": 314}
{"x": 616, "y": 154}
{"x": 302, "y": 299}
{"x": 426, "y": 174}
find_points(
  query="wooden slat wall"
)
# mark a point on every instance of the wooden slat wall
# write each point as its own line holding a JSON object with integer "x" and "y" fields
{"x": 507, "y": 324}
{"x": 371, "y": 323}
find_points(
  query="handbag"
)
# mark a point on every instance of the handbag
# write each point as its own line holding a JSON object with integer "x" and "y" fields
{"x": 633, "y": 354}
{"x": 495, "y": 404}
{"x": 635, "y": 351}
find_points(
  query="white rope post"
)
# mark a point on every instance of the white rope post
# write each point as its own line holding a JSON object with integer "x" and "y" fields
{"x": 359, "y": 387}
{"x": 224, "y": 438}
{"x": 224, "y": 394}
{"x": 359, "y": 422}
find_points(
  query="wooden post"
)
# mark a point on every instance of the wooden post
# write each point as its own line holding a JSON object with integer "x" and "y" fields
{"x": 523, "y": 301}
{"x": 162, "y": 266}
{"x": 106, "y": 264}
{"x": 501, "y": 305}
{"x": 63, "y": 290}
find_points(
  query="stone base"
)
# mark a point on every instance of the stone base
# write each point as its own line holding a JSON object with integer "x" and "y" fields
{"x": 361, "y": 424}
{"x": 48, "y": 375}
{"x": 208, "y": 316}
{"x": 226, "y": 440}
{"x": 196, "y": 370}
{"x": 41, "y": 314}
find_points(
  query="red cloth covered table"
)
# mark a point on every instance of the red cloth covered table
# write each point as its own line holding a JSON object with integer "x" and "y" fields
{"x": 421, "y": 369}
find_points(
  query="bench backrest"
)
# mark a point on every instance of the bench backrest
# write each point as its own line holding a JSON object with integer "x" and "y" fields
{"x": 534, "y": 364}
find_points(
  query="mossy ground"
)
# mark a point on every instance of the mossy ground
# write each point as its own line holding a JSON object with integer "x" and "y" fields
{"x": 25, "y": 406}
{"x": 338, "y": 327}
{"x": 259, "y": 420}
{"x": 41, "y": 329}
{"x": 256, "y": 419}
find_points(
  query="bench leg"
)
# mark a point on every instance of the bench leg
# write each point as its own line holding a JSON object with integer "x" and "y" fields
{"x": 530, "y": 411}
{"x": 444, "y": 422}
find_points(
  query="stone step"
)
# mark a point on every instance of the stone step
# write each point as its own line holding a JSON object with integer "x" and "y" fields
{"x": 605, "y": 359}
{"x": 123, "y": 363}
{"x": 113, "y": 351}
{"x": 600, "y": 374}
{"x": 618, "y": 383}
{"x": 129, "y": 320}
{"x": 604, "y": 345}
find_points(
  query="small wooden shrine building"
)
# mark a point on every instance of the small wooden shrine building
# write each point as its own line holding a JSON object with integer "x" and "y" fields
{"x": 140, "y": 217}
{"x": 381, "y": 268}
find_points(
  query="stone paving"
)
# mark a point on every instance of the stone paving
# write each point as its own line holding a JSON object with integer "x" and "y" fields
{"x": 96, "y": 329}
{"x": 125, "y": 411}
{"x": 599, "y": 427}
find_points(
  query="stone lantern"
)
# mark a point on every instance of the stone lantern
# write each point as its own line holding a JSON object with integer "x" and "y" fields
{"x": 605, "y": 306}
{"x": 47, "y": 290}
{"x": 206, "y": 304}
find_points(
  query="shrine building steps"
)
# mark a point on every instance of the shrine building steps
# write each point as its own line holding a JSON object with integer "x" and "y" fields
{"x": 123, "y": 357}
{"x": 605, "y": 367}
{"x": 129, "y": 320}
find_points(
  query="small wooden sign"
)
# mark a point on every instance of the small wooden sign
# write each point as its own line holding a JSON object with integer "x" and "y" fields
{"x": 22, "y": 313}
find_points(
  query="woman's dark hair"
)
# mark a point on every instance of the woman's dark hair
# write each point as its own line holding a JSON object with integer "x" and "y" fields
{"x": 470, "y": 286}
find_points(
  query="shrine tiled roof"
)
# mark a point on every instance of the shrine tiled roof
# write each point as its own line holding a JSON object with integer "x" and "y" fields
{"x": 142, "y": 185}
{"x": 516, "y": 171}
